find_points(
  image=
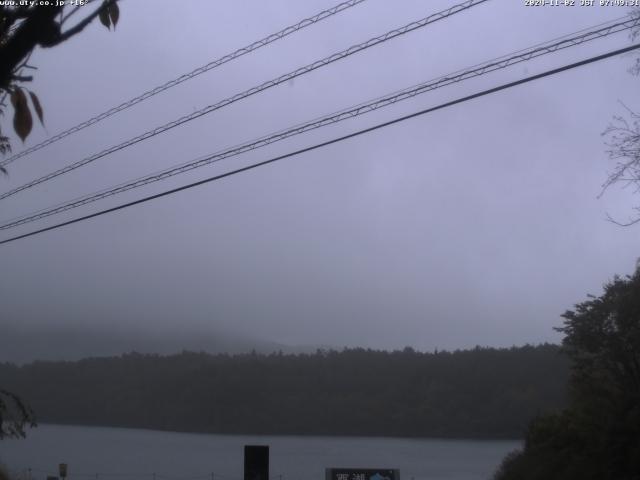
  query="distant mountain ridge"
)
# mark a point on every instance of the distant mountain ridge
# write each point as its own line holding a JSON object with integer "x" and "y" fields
{"x": 22, "y": 345}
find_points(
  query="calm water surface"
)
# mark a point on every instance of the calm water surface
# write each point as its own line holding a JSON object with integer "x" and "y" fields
{"x": 103, "y": 453}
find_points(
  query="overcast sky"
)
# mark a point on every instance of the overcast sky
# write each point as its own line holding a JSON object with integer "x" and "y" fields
{"x": 475, "y": 225}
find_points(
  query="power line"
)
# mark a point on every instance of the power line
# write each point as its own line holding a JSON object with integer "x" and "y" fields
{"x": 330, "y": 142}
{"x": 188, "y": 76}
{"x": 252, "y": 91}
{"x": 363, "y": 108}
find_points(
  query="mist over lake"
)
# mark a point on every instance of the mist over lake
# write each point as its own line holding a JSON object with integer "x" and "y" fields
{"x": 128, "y": 453}
{"x": 375, "y": 236}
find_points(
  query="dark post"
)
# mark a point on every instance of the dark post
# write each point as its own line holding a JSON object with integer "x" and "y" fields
{"x": 256, "y": 462}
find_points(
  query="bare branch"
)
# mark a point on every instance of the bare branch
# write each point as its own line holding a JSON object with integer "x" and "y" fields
{"x": 624, "y": 147}
{"x": 624, "y": 224}
{"x": 623, "y": 143}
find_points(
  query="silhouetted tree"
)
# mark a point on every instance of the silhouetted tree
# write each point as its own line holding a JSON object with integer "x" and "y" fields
{"x": 25, "y": 27}
{"x": 598, "y": 435}
{"x": 15, "y": 415}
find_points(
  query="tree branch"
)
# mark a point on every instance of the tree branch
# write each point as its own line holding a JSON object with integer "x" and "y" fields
{"x": 82, "y": 24}
{"x": 623, "y": 224}
{"x": 73, "y": 12}
{"x": 34, "y": 30}
{"x": 22, "y": 78}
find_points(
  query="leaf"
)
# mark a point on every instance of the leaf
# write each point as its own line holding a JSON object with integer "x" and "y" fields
{"x": 104, "y": 17}
{"x": 5, "y": 146}
{"x": 114, "y": 14}
{"x": 37, "y": 106}
{"x": 22, "y": 121}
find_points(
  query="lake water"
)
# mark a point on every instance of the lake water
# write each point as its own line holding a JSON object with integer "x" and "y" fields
{"x": 100, "y": 453}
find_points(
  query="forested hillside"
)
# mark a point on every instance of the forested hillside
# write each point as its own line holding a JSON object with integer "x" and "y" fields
{"x": 483, "y": 392}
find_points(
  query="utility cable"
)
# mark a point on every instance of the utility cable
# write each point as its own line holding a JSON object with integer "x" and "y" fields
{"x": 331, "y": 142}
{"x": 361, "y": 109}
{"x": 188, "y": 76}
{"x": 252, "y": 91}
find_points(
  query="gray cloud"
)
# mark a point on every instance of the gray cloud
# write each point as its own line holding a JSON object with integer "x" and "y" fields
{"x": 478, "y": 224}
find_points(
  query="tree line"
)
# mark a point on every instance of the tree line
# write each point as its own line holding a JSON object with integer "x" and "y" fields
{"x": 478, "y": 393}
